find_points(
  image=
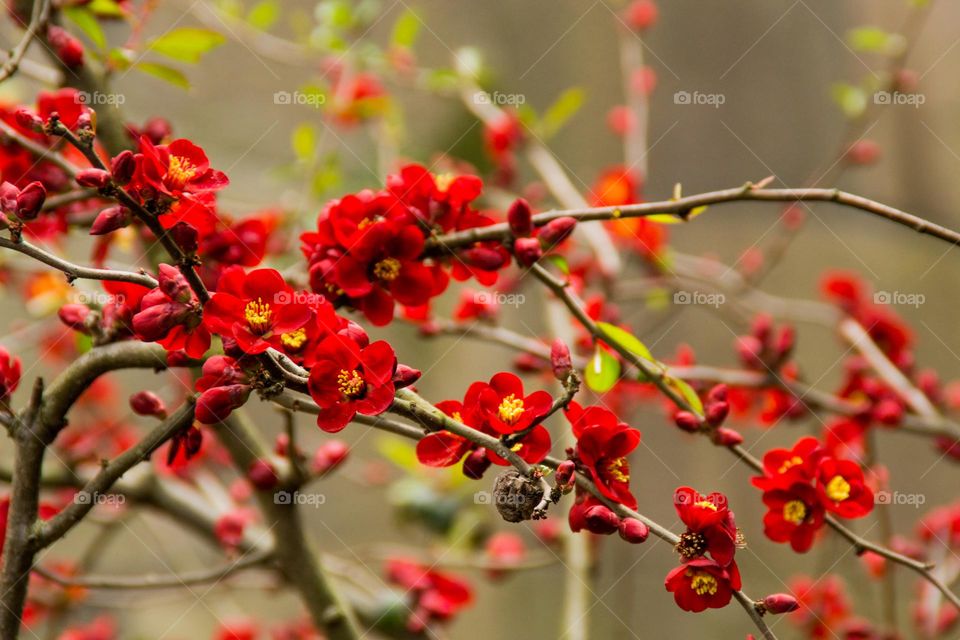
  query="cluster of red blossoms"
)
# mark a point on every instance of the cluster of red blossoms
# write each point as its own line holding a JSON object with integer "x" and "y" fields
{"x": 802, "y": 484}
{"x": 436, "y": 595}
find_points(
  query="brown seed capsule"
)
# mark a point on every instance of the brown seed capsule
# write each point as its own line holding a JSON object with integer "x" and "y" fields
{"x": 516, "y": 496}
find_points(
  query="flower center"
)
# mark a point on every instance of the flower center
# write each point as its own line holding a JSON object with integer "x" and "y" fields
{"x": 294, "y": 340}
{"x": 789, "y": 464}
{"x": 702, "y": 583}
{"x": 444, "y": 180}
{"x": 351, "y": 383}
{"x": 387, "y": 269}
{"x": 691, "y": 545}
{"x": 257, "y": 314}
{"x": 511, "y": 408}
{"x": 619, "y": 469}
{"x": 794, "y": 511}
{"x": 180, "y": 171}
{"x": 838, "y": 489}
{"x": 705, "y": 504}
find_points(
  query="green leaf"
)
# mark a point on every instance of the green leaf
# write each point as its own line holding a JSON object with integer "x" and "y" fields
{"x": 87, "y": 23}
{"x": 869, "y": 39}
{"x": 560, "y": 263}
{"x": 168, "y": 74}
{"x": 442, "y": 80}
{"x": 688, "y": 394}
{"x": 672, "y": 218}
{"x": 626, "y": 340}
{"x": 602, "y": 371}
{"x": 106, "y": 8}
{"x": 187, "y": 44}
{"x": 400, "y": 453}
{"x": 561, "y": 111}
{"x": 405, "y": 30}
{"x": 852, "y": 100}
{"x": 304, "y": 141}
{"x": 263, "y": 14}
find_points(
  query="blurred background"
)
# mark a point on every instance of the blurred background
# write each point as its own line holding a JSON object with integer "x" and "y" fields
{"x": 788, "y": 73}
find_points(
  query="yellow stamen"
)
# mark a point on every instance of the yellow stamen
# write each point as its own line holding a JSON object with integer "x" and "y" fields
{"x": 702, "y": 583}
{"x": 619, "y": 470}
{"x": 294, "y": 340}
{"x": 257, "y": 314}
{"x": 351, "y": 383}
{"x": 706, "y": 504}
{"x": 511, "y": 408}
{"x": 789, "y": 464}
{"x": 443, "y": 181}
{"x": 794, "y": 511}
{"x": 180, "y": 171}
{"x": 387, "y": 269}
{"x": 838, "y": 489}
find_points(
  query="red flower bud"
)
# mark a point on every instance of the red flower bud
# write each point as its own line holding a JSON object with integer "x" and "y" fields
{"x": 601, "y": 520}
{"x": 355, "y": 332}
{"x": 565, "y": 474}
{"x": 750, "y": 350}
{"x": 28, "y": 120}
{"x": 716, "y": 413}
{"x": 727, "y": 437}
{"x": 633, "y": 531}
{"x": 122, "y": 167}
{"x": 719, "y": 393}
{"x": 863, "y": 152}
{"x": 527, "y": 251}
{"x": 31, "y": 200}
{"x": 528, "y": 363}
{"x": 96, "y": 178}
{"x": 888, "y": 411}
{"x": 483, "y": 258}
{"x": 640, "y": 15}
{"x": 476, "y": 464}
{"x": 761, "y": 327}
{"x": 8, "y": 197}
{"x": 215, "y": 404}
{"x": 556, "y": 231}
{"x": 785, "y": 342}
{"x": 158, "y": 130}
{"x": 262, "y": 475}
{"x": 520, "y": 218}
{"x": 74, "y": 316}
{"x": 780, "y": 603}
{"x": 156, "y": 321}
{"x": 67, "y": 48}
{"x": 560, "y": 360}
{"x": 173, "y": 283}
{"x": 186, "y": 236}
{"x": 405, "y": 376}
{"x": 109, "y": 220}
{"x": 147, "y": 403}
{"x": 687, "y": 421}
{"x": 330, "y": 455}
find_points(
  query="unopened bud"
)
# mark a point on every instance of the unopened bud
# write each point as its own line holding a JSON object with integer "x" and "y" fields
{"x": 527, "y": 251}
{"x": 633, "y": 531}
{"x": 565, "y": 474}
{"x": 687, "y": 421}
{"x": 147, "y": 403}
{"x": 109, "y": 220}
{"x": 560, "y": 360}
{"x": 28, "y": 119}
{"x": 122, "y": 167}
{"x": 601, "y": 520}
{"x": 476, "y": 464}
{"x": 716, "y": 413}
{"x": 556, "y": 231}
{"x": 725, "y": 437}
{"x": 30, "y": 201}
{"x": 405, "y": 376}
{"x": 780, "y": 603}
{"x": 483, "y": 258}
{"x": 520, "y": 218}
{"x": 262, "y": 475}
{"x": 95, "y": 178}
{"x": 330, "y": 455}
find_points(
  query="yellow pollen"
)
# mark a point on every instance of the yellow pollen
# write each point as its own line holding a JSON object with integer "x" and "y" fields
{"x": 351, "y": 383}
{"x": 387, "y": 269}
{"x": 794, "y": 511}
{"x": 838, "y": 489}
{"x": 294, "y": 340}
{"x": 511, "y": 408}
{"x": 619, "y": 470}
{"x": 702, "y": 583}
{"x": 257, "y": 314}
{"x": 516, "y": 447}
{"x": 706, "y": 504}
{"x": 789, "y": 464}
{"x": 443, "y": 181}
{"x": 456, "y": 416}
{"x": 180, "y": 171}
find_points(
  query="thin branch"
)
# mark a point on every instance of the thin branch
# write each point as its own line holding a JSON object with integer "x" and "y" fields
{"x": 40, "y": 16}
{"x": 75, "y": 271}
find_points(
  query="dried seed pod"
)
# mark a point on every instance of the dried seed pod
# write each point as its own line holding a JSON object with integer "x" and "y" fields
{"x": 516, "y": 496}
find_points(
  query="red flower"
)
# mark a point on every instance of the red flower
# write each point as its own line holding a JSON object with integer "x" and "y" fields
{"x": 438, "y": 201}
{"x": 347, "y": 380}
{"x": 170, "y": 315}
{"x": 603, "y": 444}
{"x": 784, "y": 467}
{"x": 224, "y": 387}
{"x": 842, "y": 490}
{"x": 255, "y": 309}
{"x": 67, "y": 103}
{"x": 503, "y": 405}
{"x": 445, "y": 449}
{"x": 794, "y": 515}
{"x": 710, "y": 526}
{"x": 9, "y": 374}
{"x": 436, "y": 595}
{"x": 703, "y": 584}
{"x": 177, "y": 168}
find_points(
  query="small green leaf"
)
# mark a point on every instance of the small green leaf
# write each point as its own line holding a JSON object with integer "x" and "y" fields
{"x": 560, "y": 263}
{"x": 442, "y": 79}
{"x": 561, "y": 111}
{"x": 688, "y": 394}
{"x": 626, "y": 340}
{"x": 106, "y": 8}
{"x": 187, "y": 44}
{"x": 304, "y": 141}
{"x": 264, "y": 14}
{"x": 87, "y": 23}
{"x": 405, "y": 30}
{"x": 602, "y": 371}
{"x": 672, "y": 218}
{"x": 869, "y": 39}
{"x": 400, "y": 453}
{"x": 168, "y": 74}
{"x": 852, "y": 100}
